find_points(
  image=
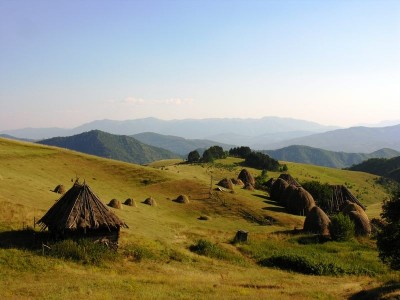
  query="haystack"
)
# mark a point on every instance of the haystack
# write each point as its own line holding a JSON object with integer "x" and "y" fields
{"x": 226, "y": 183}
{"x": 182, "y": 199}
{"x": 80, "y": 213}
{"x": 289, "y": 179}
{"x": 300, "y": 202}
{"x": 130, "y": 202}
{"x": 359, "y": 217}
{"x": 114, "y": 203}
{"x": 317, "y": 221}
{"x": 277, "y": 189}
{"x": 268, "y": 185}
{"x": 150, "y": 201}
{"x": 246, "y": 177}
{"x": 237, "y": 182}
{"x": 248, "y": 187}
{"x": 340, "y": 196}
{"x": 59, "y": 189}
{"x": 287, "y": 194}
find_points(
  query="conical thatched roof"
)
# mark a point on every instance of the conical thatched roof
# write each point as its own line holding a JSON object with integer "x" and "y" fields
{"x": 226, "y": 183}
{"x": 359, "y": 217}
{"x": 277, "y": 189}
{"x": 79, "y": 208}
{"x": 289, "y": 179}
{"x": 300, "y": 202}
{"x": 246, "y": 177}
{"x": 317, "y": 221}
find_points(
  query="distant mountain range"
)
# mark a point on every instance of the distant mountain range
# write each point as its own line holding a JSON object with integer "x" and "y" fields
{"x": 177, "y": 144}
{"x": 354, "y": 139}
{"x": 320, "y": 157}
{"x": 108, "y": 145}
{"x": 10, "y": 137}
{"x": 389, "y": 168}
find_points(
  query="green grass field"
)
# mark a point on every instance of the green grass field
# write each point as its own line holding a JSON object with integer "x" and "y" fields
{"x": 154, "y": 260}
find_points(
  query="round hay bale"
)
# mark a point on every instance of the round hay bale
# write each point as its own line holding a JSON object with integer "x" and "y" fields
{"x": 246, "y": 177}
{"x": 359, "y": 217}
{"x": 277, "y": 189}
{"x": 226, "y": 183}
{"x": 150, "y": 201}
{"x": 237, "y": 182}
{"x": 59, "y": 189}
{"x": 287, "y": 194}
{"x": 300, "y": 202}
{"x": 130, "y": 202}
{"x": 317, "y": 221}
{"x": 182, "y": 199}
{"x": 248, "y": 187}
{"x": 114, "y": 203}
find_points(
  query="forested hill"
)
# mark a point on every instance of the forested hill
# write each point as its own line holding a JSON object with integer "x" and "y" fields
{"x": 119, "y": 147}
{"x": 320, "y": 157}
{"x": 389, "y": 168}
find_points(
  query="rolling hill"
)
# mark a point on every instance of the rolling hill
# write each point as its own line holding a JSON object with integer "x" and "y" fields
{"x": 176, "y": 144}
{"x": 354, "y": 139}
{"x": 389, "y": 168}
{"x": 108, "y": 145}
{"x": 320, "y": 157}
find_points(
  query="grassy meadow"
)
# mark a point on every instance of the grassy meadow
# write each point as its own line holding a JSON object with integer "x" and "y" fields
{"x": 154, "y": 260}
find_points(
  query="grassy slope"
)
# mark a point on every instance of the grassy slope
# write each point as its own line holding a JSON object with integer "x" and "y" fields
{"x": 28, "y": 172}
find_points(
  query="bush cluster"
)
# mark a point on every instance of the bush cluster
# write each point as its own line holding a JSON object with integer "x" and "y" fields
{"x": 341, "y": 227}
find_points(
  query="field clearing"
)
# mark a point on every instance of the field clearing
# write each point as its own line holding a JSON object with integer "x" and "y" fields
{"x": 29, "y": 173}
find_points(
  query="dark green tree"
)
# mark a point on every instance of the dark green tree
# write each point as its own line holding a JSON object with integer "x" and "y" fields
{"x": 388, "y": 239}
{"x": 341, "y": 228}
{"x": 193, "y": 156}
{"x": 261, "y": 161}
{"x": 207, "y": 156}
{"x": 241, "y": 152}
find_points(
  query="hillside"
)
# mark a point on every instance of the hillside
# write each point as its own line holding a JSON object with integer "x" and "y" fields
{"x": 354, "y": 139}
{"x": 108, "y": 145}
{"x": 389, "y": 168}
{"x": 177, "y": 144}
{"x": 154, "y": 259}
{"x": 320, "y": 157}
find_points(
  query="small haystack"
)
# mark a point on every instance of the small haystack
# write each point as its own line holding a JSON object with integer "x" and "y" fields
{"x": 226, "y": 183}
{"x": 114, "y": 203}
{"x": 359, "y": 217}
{"x": 241, "y": 236}
{"x": 277, "y": 189}
{"x": 130, "y": 202}
{"x": 237, "y": 182}
{"x": 248, "y": 187}
{"x": 246, "y": 177}
{"x": 150, "y": 201}
{"x": 289, "y": 179}
{"x": 268, "y": 185}
{"x": 300, "y": 202}
{"x": 59, "y": 189}
{"x": 182, "y": 199}
{"x": 317, "y": 221}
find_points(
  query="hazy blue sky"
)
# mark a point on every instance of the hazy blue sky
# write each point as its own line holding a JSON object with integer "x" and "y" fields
{"x": 63, "y": 63}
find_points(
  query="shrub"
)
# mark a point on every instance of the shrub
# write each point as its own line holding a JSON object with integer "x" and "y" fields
{"x": 341, "y": 228}
{"x": 261, "y": 161}
{"x": 193, "y": 156}
{"x": 139, "y": 252}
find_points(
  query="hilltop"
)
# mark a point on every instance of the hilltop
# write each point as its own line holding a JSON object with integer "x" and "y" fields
{"x": 113, "y": 146}
{"x": 389, "y": 168}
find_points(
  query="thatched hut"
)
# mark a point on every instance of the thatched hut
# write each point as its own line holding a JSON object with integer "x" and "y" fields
{"x": 359, "y": 217}
{"x": 150, "y": 201}
{"x": 300, "y": 202}
{"x": 289, "y": 179}
{"x": 80, "y": 213}
{"x": 59, "y": 189}
{"x": 114, "y": 203}
{"x": 226, "y": 183}
{"x": 317, "y": 221}
{"x": 246, "y": 177}
{"x": 277, "y": 189}
{"x": 182, "y": 199}
{"x": 130, "y": 202}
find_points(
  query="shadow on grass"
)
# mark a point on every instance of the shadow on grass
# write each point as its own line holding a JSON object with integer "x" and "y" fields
{"x": 23, "y": 239}
{"x": 275, "y": 209}
{"x": 379, "y": 292}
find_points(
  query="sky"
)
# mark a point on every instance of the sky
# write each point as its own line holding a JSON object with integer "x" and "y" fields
{"x": 65, "y": 63}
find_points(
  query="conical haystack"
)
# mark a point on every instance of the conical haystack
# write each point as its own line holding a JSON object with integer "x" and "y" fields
{"x": 237, "y": 182}
{"x": 248, "y": 187}
{"x": 59, "y": 189}
{"x": 150, "y": 201}
{"x": 246, "y": 177}
{"x": 226, "y": 183}
{"x": 289, "y": 179}
{"x": 317, "y": 221}
{"x": 114, "y": 203}
{"x": 288, "y": 194}
{"x": 130, "y": 202}
{"x": 277, "y": 189}
{"x": 359, "y": 217}
{"x": 182, "y": 199}
{"x": 300, "y": 203}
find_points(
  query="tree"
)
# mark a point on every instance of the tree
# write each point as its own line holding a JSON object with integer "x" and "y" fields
{"x": 207, "y": 156}
{"x": 388, "y": 239}
{"x": 261, "y": 161}
{"x": 193, "y": 156}
{"x": 341, "y": 228}
{"x": 241, "y": 152}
